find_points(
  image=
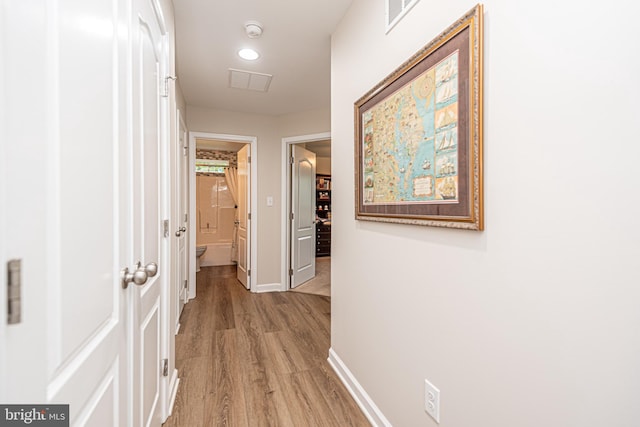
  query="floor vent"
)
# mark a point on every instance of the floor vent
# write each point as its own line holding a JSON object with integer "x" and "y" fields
{"x": 248, "y": 80}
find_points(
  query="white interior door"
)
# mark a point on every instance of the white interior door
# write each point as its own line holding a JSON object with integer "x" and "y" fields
{"x": 181, "y": 216}
{"x": 244, "y": 210}
{"x": 303, "y": 231}
{"x": 146, "y": 201}
{"x": 64, "y": 87}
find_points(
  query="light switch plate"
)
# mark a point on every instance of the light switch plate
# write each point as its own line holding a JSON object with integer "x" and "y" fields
{"x": 432, "y": 400}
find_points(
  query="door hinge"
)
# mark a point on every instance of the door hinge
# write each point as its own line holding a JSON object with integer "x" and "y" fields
{"x": 291, "y": 160}
{"x": 165, "y": 228}
{"x": 165, "y": 85}
{"x": 185, "y": 283}
{"x": 292, "y": 215}
{"x": 186, "y": 217}
{"x": 14, "y": 291}
{"x": 248, "y": 273}
{"x": 249, "y": 216}
{"x": 291, "y": 272}
{"x": 165, "y": 367}
{"x": 248, "y": 159}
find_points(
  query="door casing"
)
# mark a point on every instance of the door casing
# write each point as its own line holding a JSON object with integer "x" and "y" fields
{"x": 253, "y": 238}
{"x": 285, "y": 243}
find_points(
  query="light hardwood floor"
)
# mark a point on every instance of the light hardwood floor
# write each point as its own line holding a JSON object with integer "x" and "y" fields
{"x": 321, "y": 283}
{"x": 248, "y": 359}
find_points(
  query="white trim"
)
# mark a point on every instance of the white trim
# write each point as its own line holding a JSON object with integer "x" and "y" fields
{"x": 179, "y": 219}
{"x": 4, "y": 136}
{"x": 286, "y": 200}
{"x": 191, "y": 233}
{"x": 157, "y": 9}
{"x": 167, "y": 108}
{"x": 253, "y": 238}
{"x": 364, "y": 401}
{"x": 110, "y": 379}
{"x": 53, "y": 237}
{"x": 85, "y": 354}
{"x": 175, "y": 382}
{"x": 268, "y": 287}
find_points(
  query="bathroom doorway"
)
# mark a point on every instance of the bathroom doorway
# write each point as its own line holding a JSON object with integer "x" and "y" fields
{"x": 221, "y": 197}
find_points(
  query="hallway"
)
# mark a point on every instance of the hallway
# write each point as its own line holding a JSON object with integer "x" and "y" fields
{"x": 250, "y": 359}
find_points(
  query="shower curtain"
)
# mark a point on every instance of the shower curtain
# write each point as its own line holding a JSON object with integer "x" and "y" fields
{"x": 231, "y": 175}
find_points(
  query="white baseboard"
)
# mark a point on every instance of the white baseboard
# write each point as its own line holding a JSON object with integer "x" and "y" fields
{"x": 369, "y": 408}
{"x": 173, "y": 386}
{"x": 268, "y": 287}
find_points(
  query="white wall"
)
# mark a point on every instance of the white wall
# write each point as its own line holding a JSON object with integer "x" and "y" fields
{"x": 535, "y": 321}
{"x": 269, "y": 130}
{"x": 180, "y": 102}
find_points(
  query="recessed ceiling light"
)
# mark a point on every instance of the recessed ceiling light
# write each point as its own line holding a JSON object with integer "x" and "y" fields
{"x": 248, "y": 54}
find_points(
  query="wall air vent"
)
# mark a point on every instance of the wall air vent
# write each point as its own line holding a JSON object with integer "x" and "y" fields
{"x": 396, "y": 9}
{"x": 248, "y": 80}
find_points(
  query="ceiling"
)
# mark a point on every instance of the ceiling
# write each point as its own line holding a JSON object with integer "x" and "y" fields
{"x": 294, "y": 48}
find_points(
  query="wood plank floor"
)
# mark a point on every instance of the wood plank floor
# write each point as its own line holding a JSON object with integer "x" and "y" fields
{"x": 248, "y": 359}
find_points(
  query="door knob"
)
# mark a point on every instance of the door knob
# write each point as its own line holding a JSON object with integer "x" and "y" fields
{"x": 180, "y": 231}
{"x": 151, "y": 269}
{"x": 139, "y": 276}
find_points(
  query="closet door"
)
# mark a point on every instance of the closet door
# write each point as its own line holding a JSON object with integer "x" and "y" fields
{"x": 64, "y": 73}
{"x": 149, "y": 247}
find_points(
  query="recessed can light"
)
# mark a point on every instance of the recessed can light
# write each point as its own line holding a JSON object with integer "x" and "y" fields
{"x": 248, "y": 54}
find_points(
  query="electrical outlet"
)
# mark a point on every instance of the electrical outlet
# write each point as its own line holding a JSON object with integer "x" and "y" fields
{"x": 432, "y": 400}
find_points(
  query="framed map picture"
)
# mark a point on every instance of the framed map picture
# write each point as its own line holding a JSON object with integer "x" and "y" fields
{"x": 418, "y": 135}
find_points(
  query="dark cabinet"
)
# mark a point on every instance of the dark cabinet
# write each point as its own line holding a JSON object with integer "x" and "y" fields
{"x": 323, "y": 215}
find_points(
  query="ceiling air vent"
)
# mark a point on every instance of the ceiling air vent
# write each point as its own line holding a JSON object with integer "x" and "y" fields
{"x": 248, "y": 80}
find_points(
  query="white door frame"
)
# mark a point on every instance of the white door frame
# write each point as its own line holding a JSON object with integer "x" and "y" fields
{"x": 181, "y": 126}
{"x": 3, "y": 221}
{"x": 253, "y": 238}
{"x": 285, "y": 243}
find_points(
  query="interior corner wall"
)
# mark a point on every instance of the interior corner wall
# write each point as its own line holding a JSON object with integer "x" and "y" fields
{"x": 323, "y": 165}
{"x": 536, "y": 320}
{"x": 305, "y": 122}
{"x": 269, "y": 131}
{"x": 180, "y": 102}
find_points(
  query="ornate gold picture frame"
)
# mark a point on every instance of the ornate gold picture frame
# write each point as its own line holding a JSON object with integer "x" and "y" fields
{"x": 418, "y": 135}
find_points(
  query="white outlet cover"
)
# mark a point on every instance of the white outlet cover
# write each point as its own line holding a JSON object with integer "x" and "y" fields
{"x": 432, "y": 400}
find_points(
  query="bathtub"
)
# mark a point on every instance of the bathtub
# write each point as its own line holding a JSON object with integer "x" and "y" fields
{"x": 216, "y": 254}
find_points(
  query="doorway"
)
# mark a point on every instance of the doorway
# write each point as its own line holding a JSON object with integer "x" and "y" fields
{"x": 222, "y": 228}
{"x": 298, "y": 151}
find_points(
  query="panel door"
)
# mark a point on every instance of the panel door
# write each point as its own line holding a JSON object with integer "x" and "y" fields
{"x": 66, "y": 125}
{"x": 303, "y": 232}
{"x": 146, "y": 203}
{"x": 244, "y": 171}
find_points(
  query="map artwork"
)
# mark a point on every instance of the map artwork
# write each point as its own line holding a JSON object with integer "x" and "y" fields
{"x": 410, "y": 141}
